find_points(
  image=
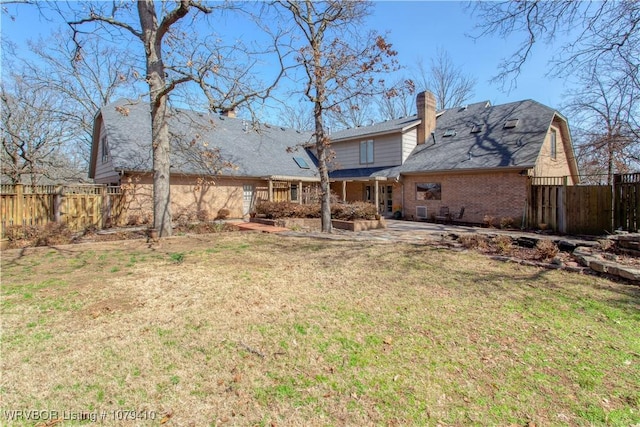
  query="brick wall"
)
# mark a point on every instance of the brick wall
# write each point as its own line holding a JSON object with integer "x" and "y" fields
{"x": 189, "y": 197}
{"x": 499, "y": 195}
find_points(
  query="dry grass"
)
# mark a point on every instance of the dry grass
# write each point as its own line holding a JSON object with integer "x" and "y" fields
{"x": 251, "y": 329}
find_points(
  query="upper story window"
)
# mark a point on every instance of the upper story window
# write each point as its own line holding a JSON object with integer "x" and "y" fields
{"x": 366, "y": 152}
{"x": 105, "y": 149}
{"x": 554, "y": 144}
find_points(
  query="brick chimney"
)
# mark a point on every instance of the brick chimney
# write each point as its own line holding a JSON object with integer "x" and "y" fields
{"x": 231, "y": 113}
{"x": 426, "y": 104}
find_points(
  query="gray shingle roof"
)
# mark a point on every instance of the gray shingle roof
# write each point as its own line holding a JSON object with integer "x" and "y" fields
{"x": 492, "y": 147}
{"x": 202, "y": 143}
{"x": 376, "y": 129}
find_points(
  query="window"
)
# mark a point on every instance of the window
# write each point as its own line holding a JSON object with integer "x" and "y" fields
{"x": 429, "y": 191}
{"x": 449, "y": 132}
{"x": 366, "y": 152}
{"x": 294, "y": 192}
{"x": 554, "y": 146}
{"x": 105, "y": 149}
{"x": 511, "y": 123}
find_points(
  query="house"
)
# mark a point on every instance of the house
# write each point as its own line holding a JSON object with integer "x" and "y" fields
{"x": 478, "y": 157}
{"x": 218, "y": 162}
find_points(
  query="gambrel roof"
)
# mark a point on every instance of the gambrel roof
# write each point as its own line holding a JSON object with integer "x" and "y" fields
{"x": 481, "y": 136}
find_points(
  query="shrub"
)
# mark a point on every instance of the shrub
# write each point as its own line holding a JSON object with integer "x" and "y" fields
{"x": 53, "y": 233}
{"x": 473, "y": 241}
{"x": 223, "y": 214}
{"x": 507, "y": 222}
{"x": 546, "y": 249}
{"x": 489, "y": 221}
{"x": 353, "y": 211}
{"x": 503, "y": 244}
{"x": 343, "y": 211}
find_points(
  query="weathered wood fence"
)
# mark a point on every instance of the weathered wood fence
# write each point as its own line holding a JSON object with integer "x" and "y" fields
{"x": 626, "y": 192}
{"x": 78, "y": 206}
{"x": 585, "y": 209}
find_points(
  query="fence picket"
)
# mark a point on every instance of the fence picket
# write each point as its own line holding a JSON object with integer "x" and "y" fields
{"x": 79, "y": 206}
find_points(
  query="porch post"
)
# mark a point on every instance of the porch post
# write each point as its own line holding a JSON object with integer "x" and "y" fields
{"x": 300, "y": 192}
{"x": 344, "y": 191}
{"x": 376, "y": 196}
{"x": 270, "y": 190}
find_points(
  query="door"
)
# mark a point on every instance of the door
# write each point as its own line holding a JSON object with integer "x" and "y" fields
{"x": 247, "y": 199}
{"x": 385, "y": 200}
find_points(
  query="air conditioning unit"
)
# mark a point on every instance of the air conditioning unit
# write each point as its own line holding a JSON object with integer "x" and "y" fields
{"x": 421, "y": 212}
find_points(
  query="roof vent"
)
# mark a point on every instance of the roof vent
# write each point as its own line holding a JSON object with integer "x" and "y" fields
{"x": 511, "y": 123}
{"x": 463, "y": 108}
{"x": 476, "y": 129}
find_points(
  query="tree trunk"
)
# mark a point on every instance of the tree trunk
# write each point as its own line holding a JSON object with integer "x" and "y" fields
{"x": 322, "y": 145}
{"x": 159, "y": 127}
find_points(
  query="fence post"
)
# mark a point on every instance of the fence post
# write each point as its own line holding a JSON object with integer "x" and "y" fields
{"x": 100, "y": 207}
{"x": 57, "y": 203}
{"x": 562, "y": 206}
{"x": 19, "y": 205}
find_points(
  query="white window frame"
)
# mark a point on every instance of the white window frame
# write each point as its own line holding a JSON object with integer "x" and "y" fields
{"x": 553, "y": 144}
{"x": 367, "y": 152}
{"x": 105, "y": 149}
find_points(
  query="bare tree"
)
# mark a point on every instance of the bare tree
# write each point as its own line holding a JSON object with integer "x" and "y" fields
{"x": 599, "y": 33}
{"x": 355, "y": 112}
{"x": 87, "y": 82}
{"x": 448, "y": 82}
{"x": 173, "y": 55}
{"x": 297, "y": 116}
{"x": 339, "y": 63}
{"x": 33, "y": 134}
{"x": 401, "y": 105}
{"x": 603, "y": 110}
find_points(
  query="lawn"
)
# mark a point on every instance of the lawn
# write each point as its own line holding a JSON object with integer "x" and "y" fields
{"x": 255, "y": 329}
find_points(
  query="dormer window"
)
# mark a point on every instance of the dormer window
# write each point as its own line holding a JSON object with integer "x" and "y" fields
{"x": 511, "y": 123}
{"x": 476, "y": 129}
{"x": 449, "y": 132}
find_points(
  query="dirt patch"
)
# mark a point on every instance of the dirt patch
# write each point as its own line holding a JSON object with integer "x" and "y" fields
{"x": 108, "y": 306}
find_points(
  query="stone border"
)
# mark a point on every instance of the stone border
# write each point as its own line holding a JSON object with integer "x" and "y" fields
{"x": 597, "y": 263}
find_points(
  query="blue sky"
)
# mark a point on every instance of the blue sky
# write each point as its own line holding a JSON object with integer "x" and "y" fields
{"x": 417, "y": 29}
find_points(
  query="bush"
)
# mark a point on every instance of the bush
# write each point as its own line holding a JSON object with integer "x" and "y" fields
{"x": 506, "y": 222}
{"x": 353, "y": 211}
{"x": 489, "y": 221}
{"x": 473, "y": 241}
{"x": 546, "y": 249}
{"x": 223, "y": 214}
{"x": 503, "y": 244}
{"x": 53, "y": 233}
{"x": 344, "y": 211}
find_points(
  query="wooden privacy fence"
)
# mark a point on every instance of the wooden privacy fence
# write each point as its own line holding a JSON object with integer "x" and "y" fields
{"x": 584, "y": 209}
{"x": 78, "y": 206}
{"x": 627, "y": 201}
